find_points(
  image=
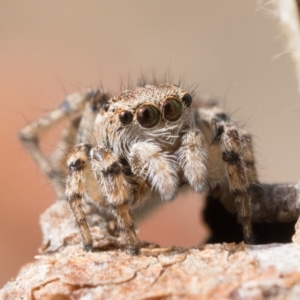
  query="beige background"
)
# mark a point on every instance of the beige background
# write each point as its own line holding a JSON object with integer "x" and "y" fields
{"x": 230, "y": 49}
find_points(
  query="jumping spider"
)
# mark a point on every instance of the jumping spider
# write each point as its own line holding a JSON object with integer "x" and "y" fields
{"x": 152, "y": 139}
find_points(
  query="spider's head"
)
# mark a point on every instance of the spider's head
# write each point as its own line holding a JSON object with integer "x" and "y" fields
{"x": 157, "y": 112}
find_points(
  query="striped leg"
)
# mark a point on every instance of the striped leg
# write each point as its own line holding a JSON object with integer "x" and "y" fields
{"x": 78, "y": 164}
{"x": 248, "y": 155}
{"x": 59, "y": 157}
{"x": 117, "y": 191}
{"x": 31, "y": 134}
{"x": 232, "y": 155}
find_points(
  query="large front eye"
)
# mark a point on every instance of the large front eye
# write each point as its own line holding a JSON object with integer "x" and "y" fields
{"x": 172, "y": 109}
{"x": 148, "y": 116}
{"x": 125, "y": 117}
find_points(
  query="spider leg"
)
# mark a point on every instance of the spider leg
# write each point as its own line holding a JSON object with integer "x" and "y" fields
{"x": 248, "y": 155}
{"x": 159, "y": 169}
{"x": 78, "y": 130}
{"x": 191, "y": 157}
{"x": 117, "y": 190}
{"x": 59, "y": 157}
{"x": 231, "y": 147}
{"x": 31, "y": 134}
{"x": 78, "y": 164}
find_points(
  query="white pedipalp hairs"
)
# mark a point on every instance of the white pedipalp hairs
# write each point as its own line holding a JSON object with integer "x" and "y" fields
{"x": 167, "y": 184}
{"x": 156, "y": 166}
{"x": 195, "y": 170}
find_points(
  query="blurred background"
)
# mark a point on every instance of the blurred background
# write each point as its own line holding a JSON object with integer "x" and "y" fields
{"x": 230, "y": 49}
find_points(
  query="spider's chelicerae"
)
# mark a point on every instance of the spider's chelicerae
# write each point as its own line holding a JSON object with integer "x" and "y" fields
{"x": 152, "y": 139}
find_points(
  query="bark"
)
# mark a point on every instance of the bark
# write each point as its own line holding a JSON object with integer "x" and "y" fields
{"x": 221, "y": 271}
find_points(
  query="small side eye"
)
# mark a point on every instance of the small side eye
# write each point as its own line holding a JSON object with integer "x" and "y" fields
{"x": 125, "y": 117}
{"x": 222, "y": 117}
{"x": 148, "y": 116}
{"x": 106, "y": 106}
{"x": 187, "y": 99}
{"x": 172, "y": 109}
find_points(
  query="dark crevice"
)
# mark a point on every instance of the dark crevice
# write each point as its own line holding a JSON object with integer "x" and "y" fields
{"x": 225, "y": 228}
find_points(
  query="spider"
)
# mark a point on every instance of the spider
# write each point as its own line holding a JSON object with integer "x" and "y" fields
{"x": 148, "y": 141}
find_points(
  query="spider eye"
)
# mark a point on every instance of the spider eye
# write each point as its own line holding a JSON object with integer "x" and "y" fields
{"x": 125, "y": 117}
{"x": 172, "y": 109}
{"x": 187, "y": 99}
{"x": 222, "y": 116}
{"x": 106, "y": 106}
{"x": 148, "y": 116}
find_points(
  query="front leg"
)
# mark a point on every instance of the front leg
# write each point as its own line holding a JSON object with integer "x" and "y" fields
{"x": 117, "y": 191}
{"x": 159, "y": 169}
{"x": 75, "y": 187}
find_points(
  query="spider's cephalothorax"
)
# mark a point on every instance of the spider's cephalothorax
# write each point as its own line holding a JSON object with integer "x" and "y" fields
{"x": 151, "y": 139}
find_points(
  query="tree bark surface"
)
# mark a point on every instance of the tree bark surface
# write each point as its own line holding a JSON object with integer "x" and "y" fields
{"x": 220, "y": 271}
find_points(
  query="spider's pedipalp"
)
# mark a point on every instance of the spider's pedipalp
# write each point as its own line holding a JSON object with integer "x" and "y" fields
{"x": 157, "y": 167}
{"x": 192, "y": 158}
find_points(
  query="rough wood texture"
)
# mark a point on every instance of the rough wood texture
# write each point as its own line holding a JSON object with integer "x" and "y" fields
{"x": 221, "y": 271}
